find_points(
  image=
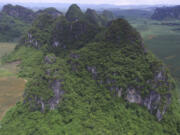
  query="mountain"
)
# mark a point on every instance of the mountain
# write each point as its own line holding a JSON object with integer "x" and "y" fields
{"x": 19, "y": 12}
{"x": 51, "y": 11}
{"x": 74, "y": 13}
{"x": 16, "y": 20}
{"x": 10, "y": 28}
{"x": 166, "y": 13}
{"x": 84, "y": 78}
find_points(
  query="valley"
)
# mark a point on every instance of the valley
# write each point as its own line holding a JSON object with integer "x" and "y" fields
{"x": 11, "y": 87}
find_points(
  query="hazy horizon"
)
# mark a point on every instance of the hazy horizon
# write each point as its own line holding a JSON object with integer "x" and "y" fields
{"x": 111, "y": 2}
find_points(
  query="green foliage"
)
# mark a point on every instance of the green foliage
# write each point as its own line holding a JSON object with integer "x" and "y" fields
{"x": 30, "y": 59}
{"x": 120, "y": 31}
{"x": 90, "y": 70}
{"x": 74, "y": 13}
{"x": 93, "y": 17}
{"x": 10, "y": 28}
{"x": 51, "y": 11}
{"x": 39, "y": 34}
{"x": 100, "y": 116}
{"x": 19, "y": 12}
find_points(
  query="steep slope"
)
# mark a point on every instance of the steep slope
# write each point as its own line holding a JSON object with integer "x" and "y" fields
{"x": 10, "y": 28}
{"x": 106, "y": 83}
{"x": 51, "y": 11}
{"x": 166, "y": 13}
{"x": 74, "y": 13}
{"x": 100, "y": 19}
{"x": 16, "y": 20}
{"x": 93, "y": 17}
{"x": 19, "y": 12}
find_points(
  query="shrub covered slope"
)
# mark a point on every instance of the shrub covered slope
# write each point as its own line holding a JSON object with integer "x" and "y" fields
{"x": 89, "y": 79}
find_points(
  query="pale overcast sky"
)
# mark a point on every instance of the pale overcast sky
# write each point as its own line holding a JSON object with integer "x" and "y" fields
{"x": 116, "y": 2}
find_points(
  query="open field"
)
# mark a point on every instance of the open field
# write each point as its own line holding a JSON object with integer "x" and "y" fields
{"x": 163, "y": 39}
{"x": 6, "y": 48}
{"x": 11, "y": 87}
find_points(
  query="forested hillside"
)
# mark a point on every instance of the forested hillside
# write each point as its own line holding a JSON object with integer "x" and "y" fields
{"x": 90, "y": 75}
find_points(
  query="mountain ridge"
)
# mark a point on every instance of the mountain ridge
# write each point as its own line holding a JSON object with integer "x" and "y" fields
{"x": 90, "y": 79}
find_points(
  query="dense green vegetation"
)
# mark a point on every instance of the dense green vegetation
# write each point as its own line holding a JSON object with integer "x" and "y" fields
{"x": 163, "y": 40}
{"x": 11, "y": 29}
{"x": 88, "y": 79}
{"x": 86, "y": 108}
{"x": 16, "y": 20}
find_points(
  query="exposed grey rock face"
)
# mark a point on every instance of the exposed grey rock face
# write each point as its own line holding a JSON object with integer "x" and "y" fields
{"x": 56, "y": 43}
{"x": 133, "y": 96}
{"x": 58, "y": 93}
{"x": 40, "y": 101}
{"x": 49, "y": 59}
{"x": 92, "y": 70}
{"x": 155, "y": 102}
{"x": 55, "y": 85}
{"x": 30, "y": 41}
{"x": 152, "y": 101}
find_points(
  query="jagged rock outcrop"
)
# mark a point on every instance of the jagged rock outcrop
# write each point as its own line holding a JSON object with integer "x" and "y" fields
{"x": 150, "y": 91}
{"x": 53, "y": 84}
{"x": 39, "y": 34}
{"x": 165, "y": 13}
{"x": 19, "y": 12}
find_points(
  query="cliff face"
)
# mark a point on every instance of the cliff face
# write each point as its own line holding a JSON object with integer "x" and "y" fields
{"x": 166, "y": 13}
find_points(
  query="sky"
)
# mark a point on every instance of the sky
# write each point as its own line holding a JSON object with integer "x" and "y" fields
{"x": 115, "y": 2}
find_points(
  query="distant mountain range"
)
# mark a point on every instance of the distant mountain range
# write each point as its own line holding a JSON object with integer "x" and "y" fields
{"x": 166, "y": 13}
{"x": 64, "y": 6}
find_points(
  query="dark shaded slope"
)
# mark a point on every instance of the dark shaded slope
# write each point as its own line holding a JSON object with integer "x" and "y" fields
{"x": 19, "y": 12}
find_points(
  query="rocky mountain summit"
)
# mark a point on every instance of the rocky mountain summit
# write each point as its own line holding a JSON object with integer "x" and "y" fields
{"x": 166, "y": 13}
{"x": 16, "y": 19}
{"x": 89, "y": 78}
{"x": 19, "y": 12}
{"x": 51, "y": 11}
